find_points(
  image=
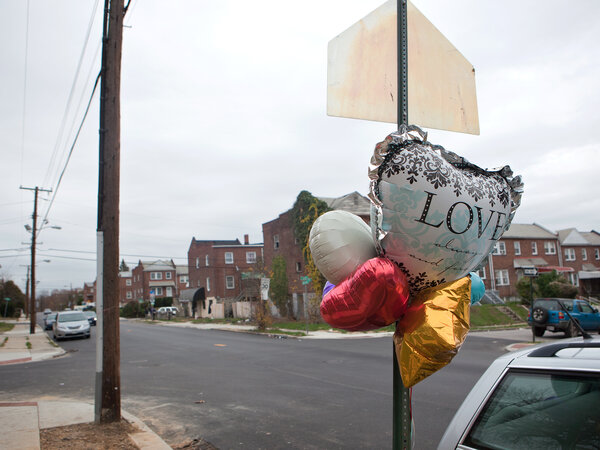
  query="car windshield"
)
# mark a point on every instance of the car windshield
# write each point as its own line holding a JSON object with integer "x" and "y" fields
{"x": 71, "y": 317}
{"x": 540, "y": 410}
{"x": 552, "y": 303}
{"x": 89, "y": 313}
{"x": 51, "y": 316}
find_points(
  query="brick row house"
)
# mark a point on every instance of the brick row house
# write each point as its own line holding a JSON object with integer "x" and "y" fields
{"x": 575, "y": 255}
{"x": 155, "y": 279}
{"x": 220, "y": 268}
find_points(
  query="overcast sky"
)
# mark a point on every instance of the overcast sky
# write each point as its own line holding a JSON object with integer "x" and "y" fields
{"x": 224, "y": 118}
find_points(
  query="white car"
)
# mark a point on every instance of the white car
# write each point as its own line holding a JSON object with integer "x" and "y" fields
{"x": 544, "y": 397}
{"x": 71, "y": 324}
{"x": 165, "y": 310}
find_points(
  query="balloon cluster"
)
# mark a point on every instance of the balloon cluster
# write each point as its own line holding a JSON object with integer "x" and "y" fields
{"x": 434, "y": 218}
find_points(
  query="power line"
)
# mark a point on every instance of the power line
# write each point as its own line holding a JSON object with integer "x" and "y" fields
{"x": 71, "y": 150}
{"x": 70, "y": 98}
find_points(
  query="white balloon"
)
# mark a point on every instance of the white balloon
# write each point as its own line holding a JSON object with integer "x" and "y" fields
{"x": 340, "y": 242}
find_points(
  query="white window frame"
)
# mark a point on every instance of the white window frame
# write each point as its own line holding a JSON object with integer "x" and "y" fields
{"x": 168, "y": 275}
{"x": 197, "y": 262}
{"x": 250, "y": 257}
{"x": 158, "y": 290}
{"x": 207, "y": 284}
{"x": 570, "y": 254}
{"x": 228, "y": 257}
{"x": 597, "y": 253}
{"x": 169, "y": 292}
{"x": 183, "y": 279}
{"x": 517, "y": 245}
{"x": 128, "y": 294}
{"x": 499, "y": 248}
{"x": 156, "y": 275}
{"x": 229, "y": 282}
{"x": 298, "y": 267}
{"x": 534, "y": 248}
{"x": 206, "y": 260}
{"x": 584, "y": 254}
{"x": 128, "y": 282}
{"x": 481, "y": 272}
{"x": 502, "y": 277}
{"x": 573, "y": 278}
{"x": 275, "y": 241}
{"x": 549, "y": 248}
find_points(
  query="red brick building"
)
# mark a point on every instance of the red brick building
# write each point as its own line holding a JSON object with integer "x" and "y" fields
{"x": 126, "y": 292}
{"x": 581, "y": 252}
{"x": 89, "y": 292}
{"x": 154, "y": 279}
{"x": 218, "y": 266}
{"x": 279, "y": 239}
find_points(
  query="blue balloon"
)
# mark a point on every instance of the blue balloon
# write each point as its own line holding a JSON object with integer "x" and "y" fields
{"x": 328, "y": 286}
{"x": 477, "y": 288}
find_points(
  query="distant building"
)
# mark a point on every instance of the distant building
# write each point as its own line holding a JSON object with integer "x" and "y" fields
{"x": 154, "y": 279}
{"x": 126, "y": 291}
{"x": 581, "y": 252}
{"x": 219, "y": 267}
{"x": 279, "y": 239}
{"x": 89, "y": 292}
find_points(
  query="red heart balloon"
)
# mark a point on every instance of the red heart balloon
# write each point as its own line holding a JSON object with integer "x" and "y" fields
{"x": 374, "y": 296}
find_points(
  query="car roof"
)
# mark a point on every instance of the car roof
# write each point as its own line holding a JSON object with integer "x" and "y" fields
{"x": 568, "y": 354}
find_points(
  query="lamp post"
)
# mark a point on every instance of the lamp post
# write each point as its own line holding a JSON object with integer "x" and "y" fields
{"x": 34, "y": 232}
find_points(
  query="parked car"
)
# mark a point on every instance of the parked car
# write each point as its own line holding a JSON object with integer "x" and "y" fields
{"x": 71, "y": 324}
{"x": 49, "y": 319}
{"x": 165, "y": 310}
{"x": 543, "y": 397}
{"x": 47, "y": 311}
{"x": 91, "y": 317}
{"x": 548, "y": 314}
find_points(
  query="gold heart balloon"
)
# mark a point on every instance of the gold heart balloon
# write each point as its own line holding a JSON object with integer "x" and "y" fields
{"x": 432, "y": 330}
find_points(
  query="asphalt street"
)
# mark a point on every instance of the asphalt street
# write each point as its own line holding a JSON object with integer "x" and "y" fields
{"x": 239, "y": 390}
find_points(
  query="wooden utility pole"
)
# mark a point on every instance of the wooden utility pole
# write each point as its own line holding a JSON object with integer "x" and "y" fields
{"x": 32, "y": 306}
{"x": 108, "y": 212}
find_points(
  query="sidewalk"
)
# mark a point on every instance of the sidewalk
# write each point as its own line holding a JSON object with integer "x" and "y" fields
{"x": 21, "y": 422}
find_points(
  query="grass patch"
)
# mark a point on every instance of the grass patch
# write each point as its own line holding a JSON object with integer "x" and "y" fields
{"x": 6, "y": 326}
{"x": 28, "y": 345}
{"x": 4, "y": 341}
{"x": 488, "y": 315}
{"x": 302, "y": 326}
{"x": 229, "y": 321}
{"x": 519, "y": 310}
{"x": 54, "y": 344}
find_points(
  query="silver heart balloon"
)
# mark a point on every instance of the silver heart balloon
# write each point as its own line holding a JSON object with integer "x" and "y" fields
{"x": 435, "y": 214}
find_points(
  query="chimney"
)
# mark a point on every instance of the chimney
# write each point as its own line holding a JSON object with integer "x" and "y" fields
{"x": 246, "y": 241}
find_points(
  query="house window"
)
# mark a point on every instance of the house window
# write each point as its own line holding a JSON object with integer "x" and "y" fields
{"x": 549, "y": 248}
{"x": 250, "y": 257}
{"x": 499, "y": 248}
{"x": 168, "y": 275}
{"x": 584, "y": 254}
{"x": 206, "y": 261}
{"x": 517, "y": 248}
{"x": 158, "y": 290}
{"x": 502, "y": 277}
{"x": 276, "y": 241}
{"x": 229, "y": 282}
{"x": 197, "y": 263}
{"x": 534, "y": 248}
{"x": 573, "y": 278}
{"x": 156, "y": 275}
{"x": 481, "y": 273}
{"x": 296, "y": 241}
{"x": 597, "y": 253}
{"x": 228, "y": 257}
{"x": 298, "y": 267}
{"x": 207, "y": 284}
{"x": 569, "y": 254}
{"x": 129, "y": 295}
{"x": 183, "y": 279}
{"x": 127, "y": 282}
